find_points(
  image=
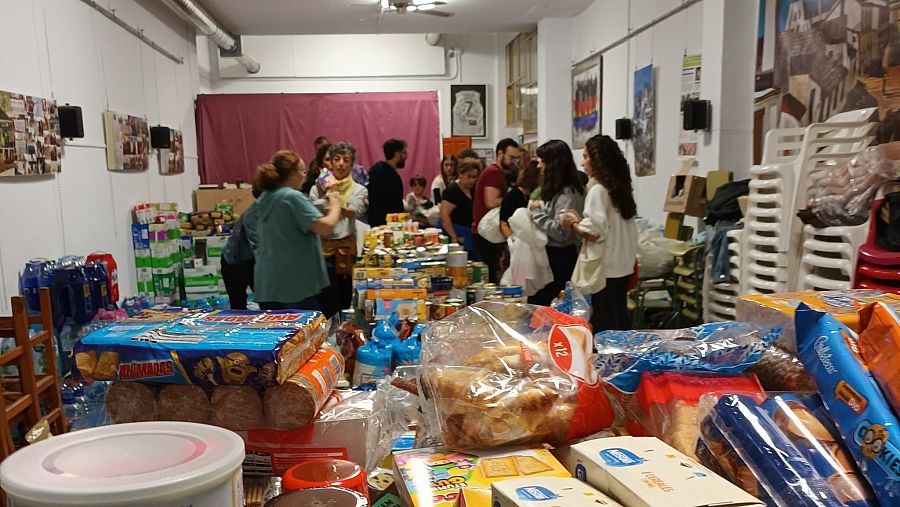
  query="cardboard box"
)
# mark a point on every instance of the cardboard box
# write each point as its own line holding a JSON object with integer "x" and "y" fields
{"x": 674, "y": 223}
{"x": 686, "y": 193}
{"x": 344, "y": 429}
{"x": 777, "y": 310}
{"x": 441, "y": 478}
{"x": 714, "y": 180}
{"x": 205, "y": 199}
{"x": 647, "y": 472}
{"x": 547, "y": 492}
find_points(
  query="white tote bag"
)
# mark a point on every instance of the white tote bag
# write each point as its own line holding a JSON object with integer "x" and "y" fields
{"x": 589, "y": 276}
{"x": 489, "y": 227}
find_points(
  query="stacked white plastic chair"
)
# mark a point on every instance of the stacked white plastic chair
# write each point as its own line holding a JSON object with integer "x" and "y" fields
{"x": 828, "y": 255}
{"x": 793, "y": 161}
{"x": 719, "y": 300}
{"x": 769, "y": 223}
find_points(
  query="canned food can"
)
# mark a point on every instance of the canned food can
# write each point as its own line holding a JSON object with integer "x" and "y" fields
{"x": 460, "y": 277}
{"x": 388, "y": 239}
{"x": 419, "y": 239}
{"x": 471, "y": 292}
{"x": 480, "y": 273}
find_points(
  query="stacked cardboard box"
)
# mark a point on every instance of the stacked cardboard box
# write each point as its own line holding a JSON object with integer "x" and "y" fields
{"x": 157, "y": 253}
{"x": 203, "y": 266}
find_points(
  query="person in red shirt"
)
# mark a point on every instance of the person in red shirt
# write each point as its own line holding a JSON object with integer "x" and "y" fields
{"x": 489, "y": 192}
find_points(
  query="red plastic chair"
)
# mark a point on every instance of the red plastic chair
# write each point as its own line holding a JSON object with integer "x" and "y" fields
{"x": 876, "y": 267}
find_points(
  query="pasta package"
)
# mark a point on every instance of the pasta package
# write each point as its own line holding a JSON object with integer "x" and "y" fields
{"x": 879, "y": 345}
{"x": 855, "y": 404}
{"x": 499, "y": 374}
{"x": 781, "y": 449}
{"x": 224, "y": 347}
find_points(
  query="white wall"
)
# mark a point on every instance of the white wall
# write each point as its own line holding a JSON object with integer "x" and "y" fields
{"x": 68, "y": 51}
{"x": 665, "y": 45}
{"x": 289, "y": 66}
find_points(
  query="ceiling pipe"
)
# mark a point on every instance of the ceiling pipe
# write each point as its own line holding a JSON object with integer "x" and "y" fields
{"x": 230, "y": 45}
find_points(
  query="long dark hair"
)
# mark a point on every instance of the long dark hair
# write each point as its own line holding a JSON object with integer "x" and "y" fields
{"x": 451, "y": 158}
{"x": 609, "y": 167}
{"x": 559, "y": 169}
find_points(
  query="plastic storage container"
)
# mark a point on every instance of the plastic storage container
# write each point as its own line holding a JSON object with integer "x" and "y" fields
{"x": 149, "y": 464}
{"x": 98, "y": 280}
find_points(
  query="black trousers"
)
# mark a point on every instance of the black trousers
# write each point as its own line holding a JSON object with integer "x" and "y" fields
{"x": 309, "y": 304}
{"x": 237, "y": 278}
{"x": 489, "y": 253}
{"x": 562, "y": 263}
{"x": 337, "y": 296}
{"x": 610, "y": 306}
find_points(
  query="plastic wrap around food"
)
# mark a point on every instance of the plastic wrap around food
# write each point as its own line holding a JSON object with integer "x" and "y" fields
{"x": 503, "y": 374}
{"x": 855, "y": 404}
{"x": 844, "y": 195}
{"x": 721, "y": 347}
{"x": 291, "y": 405}
{"x": 879, "y": 345}
{"x": 780, "y": 370}
{"x": 222, "y": 347}
{"x": 781, "y": 449}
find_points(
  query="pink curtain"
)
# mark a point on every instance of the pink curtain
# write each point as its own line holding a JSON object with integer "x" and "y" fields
{"x": 238, "y": 132}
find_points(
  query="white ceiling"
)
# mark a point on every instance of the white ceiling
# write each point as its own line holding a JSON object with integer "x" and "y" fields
{"x": 293, "y": 17}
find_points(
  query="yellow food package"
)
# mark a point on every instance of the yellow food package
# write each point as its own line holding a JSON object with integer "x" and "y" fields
{"x": 442, "y": 478}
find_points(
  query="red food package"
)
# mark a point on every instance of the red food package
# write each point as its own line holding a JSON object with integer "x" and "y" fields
{"x": 667, "y": 404}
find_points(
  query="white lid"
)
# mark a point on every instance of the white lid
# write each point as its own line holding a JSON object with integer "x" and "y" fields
{"x": 123, "y": 463}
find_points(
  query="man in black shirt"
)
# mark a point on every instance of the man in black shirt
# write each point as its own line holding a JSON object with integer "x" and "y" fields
{"x": 385, "y": 185}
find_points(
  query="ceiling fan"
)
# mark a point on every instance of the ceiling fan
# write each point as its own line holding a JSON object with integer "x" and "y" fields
{"x": 413, "y": 6}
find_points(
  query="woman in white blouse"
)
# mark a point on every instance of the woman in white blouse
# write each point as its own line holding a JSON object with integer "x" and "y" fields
{"x": 608, "y": 228}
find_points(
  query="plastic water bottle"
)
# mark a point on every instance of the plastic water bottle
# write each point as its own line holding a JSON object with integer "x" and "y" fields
{"x": 35, "y": 275}
{"x": 70, "y": 408}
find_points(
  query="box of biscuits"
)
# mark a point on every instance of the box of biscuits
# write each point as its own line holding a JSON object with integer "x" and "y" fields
{"x": 224, "y": 347}
{"x": 443, "y": 478}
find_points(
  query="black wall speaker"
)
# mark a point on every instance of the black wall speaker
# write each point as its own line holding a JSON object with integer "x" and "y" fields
{"x": 623, "y": 128}
{"x": 697, "y": 114}
{"x": 160, "y": 137}
{"x": 70, "y": 123}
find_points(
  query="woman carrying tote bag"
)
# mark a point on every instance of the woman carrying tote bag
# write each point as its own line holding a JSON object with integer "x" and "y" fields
{"x": 607, "y": 257}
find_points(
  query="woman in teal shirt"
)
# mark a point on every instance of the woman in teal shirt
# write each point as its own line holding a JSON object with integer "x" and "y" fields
{"x": 290, "y": 268}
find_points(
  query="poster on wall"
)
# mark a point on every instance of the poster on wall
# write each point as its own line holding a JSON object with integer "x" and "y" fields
{"x": 818, "y": 59}
{"x": 30, "y": 144}
{"x": 644, "y": 138}
{"x": 127, "y": 142}
{"x": 586, "y": 88}
{"x": 171, "y": 161}
{"x": 468, "y": 104}
{"x": 690, "y": 89}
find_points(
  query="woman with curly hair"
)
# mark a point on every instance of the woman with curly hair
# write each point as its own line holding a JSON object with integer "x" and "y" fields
{"x": 561, "y": 190}
{"x": 608, "y": 228}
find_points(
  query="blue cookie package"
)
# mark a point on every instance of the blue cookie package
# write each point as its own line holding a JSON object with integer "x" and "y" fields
{"x": 220, "y": 347}
{"x": 854, "y": 401}
{"x": 781, "y": 449}
{"x": 720, "y": 347}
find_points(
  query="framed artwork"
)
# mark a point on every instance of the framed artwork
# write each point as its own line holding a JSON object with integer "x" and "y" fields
{"x": 587, "y": 83}
{"x": 127, "y": 142}
{"x": 644, "y": 136}
{"x": 171, "y": 161}
{"x": 30, "y": 144}
{"x": 468, "y": 105}
{"x": 690, "y": 89}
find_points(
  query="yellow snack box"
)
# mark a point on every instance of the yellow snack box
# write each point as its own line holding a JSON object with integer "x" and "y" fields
{"x": 442, "y": 478}
{"x": 777, "y": 310}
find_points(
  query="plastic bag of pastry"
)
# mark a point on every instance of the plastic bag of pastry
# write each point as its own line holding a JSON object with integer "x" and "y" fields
{"x": 572, "y": 302}
{"x": 855, "y": 404}
{"x": 499, "y": 374}
{"x": 666, "y": 404}
{"x": 879, "y": 346}
{"x": 781, "y": 449}
{"x": 395, "y": 413}
{"x": 780, "y": 370}
{"x": 720, "y": 347}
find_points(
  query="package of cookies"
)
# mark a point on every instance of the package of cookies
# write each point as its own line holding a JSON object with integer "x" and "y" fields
{"x": 224, "y": 347}
{"x": 781, "y": 449}
{"x": 879, "y": 345}
{"x": 780, "y": 370}
{"x": 724, "y": 348}
{"x": 667, "y": 404}
{"x": 442, "y": 478}
{"x": 856, "y": 406}
{"x": 499, "y": 374}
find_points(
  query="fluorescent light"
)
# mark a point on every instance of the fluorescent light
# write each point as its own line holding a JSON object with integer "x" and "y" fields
{"x": 385, "y": 4}
{"x": 426, "y": 7}
{"x": 413, "y": 8}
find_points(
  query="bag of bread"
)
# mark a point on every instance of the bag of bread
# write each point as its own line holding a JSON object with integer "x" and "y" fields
{"x": 498, "y": 374}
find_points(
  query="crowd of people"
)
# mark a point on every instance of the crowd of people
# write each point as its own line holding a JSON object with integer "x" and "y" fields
{"x": 296, "y": 245}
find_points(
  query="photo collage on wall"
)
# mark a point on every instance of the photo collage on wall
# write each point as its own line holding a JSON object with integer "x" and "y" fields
{"x": 171, "y": 161}
{"x": 30, "y": 143}
{"x": 816, "y": 59}
{"x": 644, "y": 135}
{"x": 586, "y": 90}
{"x": 127, "y": 142}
